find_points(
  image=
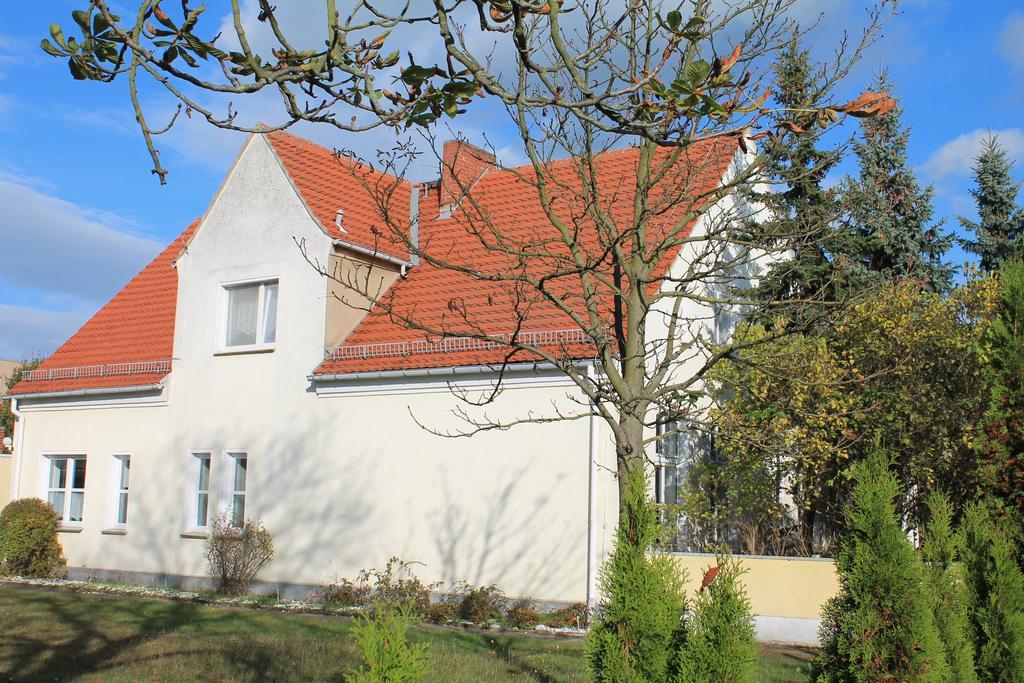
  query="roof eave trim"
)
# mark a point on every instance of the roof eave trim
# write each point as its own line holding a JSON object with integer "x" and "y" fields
{"x": 372, "y": 253}
{"x": 137, "y": 389}
{"x": 442, "y": 372}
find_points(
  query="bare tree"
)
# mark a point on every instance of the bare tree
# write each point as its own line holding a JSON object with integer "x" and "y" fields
{"x": 681, "y": 85}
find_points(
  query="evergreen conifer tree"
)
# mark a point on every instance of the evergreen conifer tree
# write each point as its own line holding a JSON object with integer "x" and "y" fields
{"x": 999, "y": 232}
{"x": 881, "y": 626}
{"x": 639, "y": 626}
{"x": 949, "y": 590}
{"x": 996, "y": 598}
{"x": 1001, "y": 441}
{"x": 720, "y": 641}
{"x": 800, "y": 208}
{"x": 891, "y": 232}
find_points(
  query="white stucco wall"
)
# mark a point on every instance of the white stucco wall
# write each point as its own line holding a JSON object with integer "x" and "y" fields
{"x": 343, "y": 481}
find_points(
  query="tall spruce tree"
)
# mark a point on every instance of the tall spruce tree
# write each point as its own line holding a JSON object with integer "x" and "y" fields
{"x": 999, "y": 231}
{"x": 801, "y": 209}
{"x": 1000, "y": 442}
{"x": 891, "y": 233}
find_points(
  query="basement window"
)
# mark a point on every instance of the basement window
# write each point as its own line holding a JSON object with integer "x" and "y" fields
{"x": 250, "y": 316}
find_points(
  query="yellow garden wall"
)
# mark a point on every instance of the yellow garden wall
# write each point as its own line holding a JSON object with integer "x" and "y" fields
{"x": 6, "y": 465}
{"x": 777, "y": 586}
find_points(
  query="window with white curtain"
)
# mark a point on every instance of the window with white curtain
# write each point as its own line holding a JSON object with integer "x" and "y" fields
{"x": 250, "y": 318}
{"x": 65, "y": 488}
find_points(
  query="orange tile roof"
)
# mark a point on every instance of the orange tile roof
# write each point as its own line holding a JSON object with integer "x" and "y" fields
{"x": 327, "y": 181}
{"x": 136, "y": 326}
{"x": 505, "y": 206}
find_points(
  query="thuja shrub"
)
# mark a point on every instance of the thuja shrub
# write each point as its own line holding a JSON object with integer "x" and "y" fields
{"x": 946, "y": 575}
{"x": 720, "y": 641}
{"x": 881, "y": 626}
{"x": 639, "y": 625}
{"x": 236, "y": 553}
{"x": 382, "y": 637}
{"x": 28, "y": 539}
{"x": 995, "y": 591}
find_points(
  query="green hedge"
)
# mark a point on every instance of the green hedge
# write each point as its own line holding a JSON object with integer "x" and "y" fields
{"x": 28, "y": 539}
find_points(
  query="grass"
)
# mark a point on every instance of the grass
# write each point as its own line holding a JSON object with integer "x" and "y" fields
{"x": 55, "y": 635}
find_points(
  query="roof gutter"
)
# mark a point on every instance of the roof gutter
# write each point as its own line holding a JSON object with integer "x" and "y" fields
{"x": 373, "y": 253}
{"x": 92, "y": 392}
{"x": 445, "y": 372}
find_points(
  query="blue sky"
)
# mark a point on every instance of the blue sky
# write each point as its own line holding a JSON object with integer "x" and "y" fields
{"x": 80, "y": 212}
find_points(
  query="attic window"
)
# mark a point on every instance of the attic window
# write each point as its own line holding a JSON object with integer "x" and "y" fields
{"x": 250, "y": 316}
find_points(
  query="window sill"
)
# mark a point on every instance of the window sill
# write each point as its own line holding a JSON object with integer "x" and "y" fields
{"x": 69, "y": 529}
{"x": 244, "y": 350}
{"x": 193, "y": 534}
{"x": 114, "y": 532}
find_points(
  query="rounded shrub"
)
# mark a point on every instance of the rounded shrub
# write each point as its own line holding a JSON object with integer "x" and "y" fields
{"x": 28, "y": 539}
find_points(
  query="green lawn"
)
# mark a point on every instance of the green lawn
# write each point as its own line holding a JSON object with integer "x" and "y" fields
{"x": 53, "y": 635}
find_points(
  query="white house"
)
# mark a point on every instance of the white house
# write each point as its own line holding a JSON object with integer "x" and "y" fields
{"x": 231, "y": 374}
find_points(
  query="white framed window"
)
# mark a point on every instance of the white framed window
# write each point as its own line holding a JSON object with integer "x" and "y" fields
{"x": 65, "y": 487}
{"x": 670, "y": 467}
{"x": 236, "y": 477}
{"x": 117, "y": 487}
{"x": 198, "y": 509}
{"x": 249, "y": 315}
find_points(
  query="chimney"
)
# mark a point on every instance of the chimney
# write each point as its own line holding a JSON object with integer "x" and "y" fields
{"x": 462, "y": 165}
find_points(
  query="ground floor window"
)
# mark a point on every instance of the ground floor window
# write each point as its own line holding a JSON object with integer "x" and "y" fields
{"x": 120, "y": 470}
{"x": 66, "y": 488}
{"x": 669, "y": 471}
{"x": 238, "y": 464}
{"x": 199, "y": 509}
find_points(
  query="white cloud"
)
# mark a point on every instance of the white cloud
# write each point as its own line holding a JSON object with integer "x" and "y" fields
{"x": 31, "y": 332}
{"x": 956, "y": 157}
{"x": 1011, "y": 39}
{"x": 64, "y": 251}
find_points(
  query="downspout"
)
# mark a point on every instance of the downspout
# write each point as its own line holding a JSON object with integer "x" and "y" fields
{"x": 592, "y": 500}
{"x": 19, "y": 431}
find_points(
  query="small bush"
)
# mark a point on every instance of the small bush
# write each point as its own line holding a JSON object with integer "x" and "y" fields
{"x": 720, "y": 641}
{"x": 382, "y": 638}
{"x": 483, "y": 604}
{"x": 522, "y": 614}
{"x": 28, "y": 539}
{"x": 574, "y": 616}
{"x": 397, "y": 585}
{"x": 394, "y": 585}
{"x": 640, "y": 623}
{"x": 236, "y": 553}
{"x": 344, "y": 593}
{"x": 443, "y": 611}
{"x": 995, "y": 590}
